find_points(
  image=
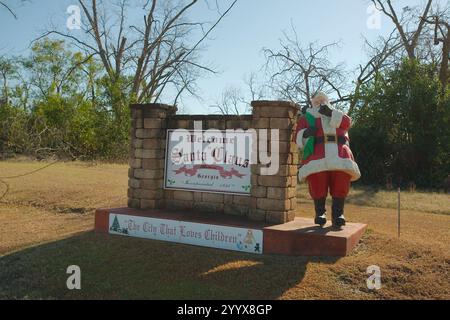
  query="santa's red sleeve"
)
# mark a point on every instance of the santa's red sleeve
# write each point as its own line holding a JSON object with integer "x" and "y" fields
{"x": 302, "y": 125}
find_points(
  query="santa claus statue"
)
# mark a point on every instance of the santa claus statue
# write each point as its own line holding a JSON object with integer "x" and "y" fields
{"x": 328, "y": 163}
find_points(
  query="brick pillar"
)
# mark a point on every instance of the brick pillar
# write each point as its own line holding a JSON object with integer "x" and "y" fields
{"x": 274, "y": 197}
{"x": 147, "y": 152}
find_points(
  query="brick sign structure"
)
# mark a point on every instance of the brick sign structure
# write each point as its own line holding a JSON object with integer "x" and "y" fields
{"x": 270, "y": 205}
{"x": 273, "y": 198}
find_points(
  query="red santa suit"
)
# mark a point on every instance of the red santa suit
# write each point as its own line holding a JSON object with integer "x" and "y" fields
{"x": 331, "y": 166}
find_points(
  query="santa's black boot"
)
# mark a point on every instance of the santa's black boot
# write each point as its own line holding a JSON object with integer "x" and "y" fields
{"x": 338, "y": 212}
{"x": 321, "y": 212}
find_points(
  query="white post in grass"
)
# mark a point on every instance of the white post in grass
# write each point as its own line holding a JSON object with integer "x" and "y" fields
{"x": 398, "y": 213}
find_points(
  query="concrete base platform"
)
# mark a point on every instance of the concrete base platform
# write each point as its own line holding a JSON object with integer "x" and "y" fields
{"x": 299, "y": 237}
{"x": 302, "y": 237}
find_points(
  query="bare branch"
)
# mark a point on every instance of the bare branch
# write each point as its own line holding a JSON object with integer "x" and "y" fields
{"x": 143, "y": 60}
{"x": 3, "y": 4}
{"x": 297, "y": 72}
{"x": 409, "y": 39}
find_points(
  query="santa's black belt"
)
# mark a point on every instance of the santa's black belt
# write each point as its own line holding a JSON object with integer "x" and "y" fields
{"x": 331, "y": 139}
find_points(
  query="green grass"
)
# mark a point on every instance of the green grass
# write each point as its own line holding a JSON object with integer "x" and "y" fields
{"x": 114, "y": 267}
{"x": 126, "y": 268}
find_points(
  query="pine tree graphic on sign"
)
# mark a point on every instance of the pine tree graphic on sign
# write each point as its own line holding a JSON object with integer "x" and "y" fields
{"x": 115, "y": 225}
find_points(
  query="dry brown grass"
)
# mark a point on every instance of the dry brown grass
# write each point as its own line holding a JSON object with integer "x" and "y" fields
{"x": 416, "y": 201}
{"x": 46, "y": 223}
{"x": 71, "y": 187}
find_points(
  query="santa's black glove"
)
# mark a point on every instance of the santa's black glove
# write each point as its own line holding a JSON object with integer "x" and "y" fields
{"x": 310, "y": 132}
{"x": 304, "y": 109}
{"x": 325, "y": 110}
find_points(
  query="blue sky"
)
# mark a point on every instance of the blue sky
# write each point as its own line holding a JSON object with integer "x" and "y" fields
{"x": 235, "y": 47}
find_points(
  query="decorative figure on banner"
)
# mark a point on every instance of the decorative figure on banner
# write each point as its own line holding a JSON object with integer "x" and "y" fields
{"x": 249, "y": 238}
{"x": 328, "y": 163}
{"x": 190, "y": 172}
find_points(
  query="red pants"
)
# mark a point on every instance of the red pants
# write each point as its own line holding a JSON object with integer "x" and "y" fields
{"x": 337, "y": 181}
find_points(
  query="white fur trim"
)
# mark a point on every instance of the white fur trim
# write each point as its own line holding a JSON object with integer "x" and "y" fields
{"x": 335, "y": 164}
{"x": 327, "y": 128}
{"x": 336, "y": 118}
{"x": 331, "y": 150}
{"x": 300, "y": 141}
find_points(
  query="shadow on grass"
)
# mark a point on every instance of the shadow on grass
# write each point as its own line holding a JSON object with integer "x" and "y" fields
{"x": 114, "y": 267}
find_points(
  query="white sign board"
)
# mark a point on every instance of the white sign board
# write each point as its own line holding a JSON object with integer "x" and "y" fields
{"x": 199, "y": 234}
{"x": 215, "y": 162}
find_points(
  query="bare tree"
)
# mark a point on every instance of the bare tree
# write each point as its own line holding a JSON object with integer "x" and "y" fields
{"x": 441, "y": 35}
{"x": 255, "y": 88}
{"x": 409, "y": 38}
{"x": 232, "y": 102}
{"x": 6, "y": 71}
{"x": 420, "y": 28}
{"x": 8, "y": 8}
{"x": 297, "y": 72}
{"x": 381, "y": 55}
{"x": 156, "y": 54}
{"x": 235, "y": 101}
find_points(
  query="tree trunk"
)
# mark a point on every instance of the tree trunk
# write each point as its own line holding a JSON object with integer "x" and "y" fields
{"x": 5, "y": 89}
{"x": 443, "y": 74}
